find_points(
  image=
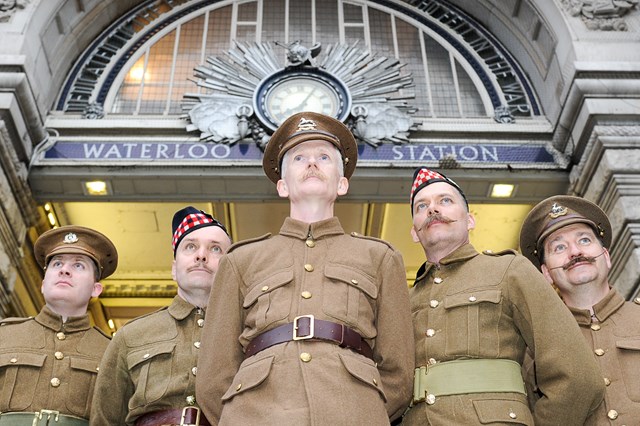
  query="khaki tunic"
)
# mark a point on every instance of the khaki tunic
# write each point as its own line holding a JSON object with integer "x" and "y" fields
{"x": 614, "y": 337}
{"x": 149, "y": 365}
{"x": 495, "y": 306}
{"x": 49, "y": 364}
{"x": 349, "y": 279}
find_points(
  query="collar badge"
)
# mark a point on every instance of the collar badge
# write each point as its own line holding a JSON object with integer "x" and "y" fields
{"x": 306, "y": 125}
{"x": 557, "y": 211}
{"x": 70, "y": 238}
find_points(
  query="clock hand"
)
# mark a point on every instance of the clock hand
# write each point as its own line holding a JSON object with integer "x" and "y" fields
{"x": 298, "y": 107}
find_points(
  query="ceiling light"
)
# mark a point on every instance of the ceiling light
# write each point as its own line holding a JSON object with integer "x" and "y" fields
{"x": 502, "y": 190}
{"x": 96, "y": 187}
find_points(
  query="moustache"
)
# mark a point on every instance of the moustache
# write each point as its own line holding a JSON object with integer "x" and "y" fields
{"x": 579, "y": 259}
{"x": 201, "y": 265}
{"x": 313, "y": 173}
{"x": 435, "y": 218}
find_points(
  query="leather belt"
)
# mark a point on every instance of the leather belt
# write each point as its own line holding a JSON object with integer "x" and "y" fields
{"x": 307, "y": 327}
{"x": 187, "y": 416}
{"x": 41, "y": 418}
{"x": 466, "y": 376}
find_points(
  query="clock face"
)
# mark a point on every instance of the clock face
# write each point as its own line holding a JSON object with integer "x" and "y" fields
{"x": 301, "y": 94}
{"x": 288, "y": 92}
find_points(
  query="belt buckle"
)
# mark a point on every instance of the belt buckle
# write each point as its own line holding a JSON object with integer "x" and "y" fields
{"x": 184, "y": 415}
{"x": 311, "y": 328}
{"x": 48, "y": 413}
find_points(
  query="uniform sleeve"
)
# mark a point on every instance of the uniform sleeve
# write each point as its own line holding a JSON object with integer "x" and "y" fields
{"x": 113, "y": 387}
{"x": 221, "y": 353}
{"x": 568, "y": 378}
{"x": 394, "y": 347}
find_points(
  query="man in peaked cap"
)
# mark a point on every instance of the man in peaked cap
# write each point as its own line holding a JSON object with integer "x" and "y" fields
{"x": 567, "y": 238}
{"x": 474, "y": 315}
{"x": 48, "y": 363}
{"x": 310, "y": 326}
{"x": 147, "y": 376}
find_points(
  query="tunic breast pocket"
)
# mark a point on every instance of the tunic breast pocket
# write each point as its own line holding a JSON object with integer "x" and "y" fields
{"x": 350, "y": 296}
{"x": 268, "y": 301}
{"x": 151, "y": 368}
{"x": 19, "y": 375}
{"x": 629, "y": 357}
{"x": 82, "y": 379}
{"x": 469, "y": 315}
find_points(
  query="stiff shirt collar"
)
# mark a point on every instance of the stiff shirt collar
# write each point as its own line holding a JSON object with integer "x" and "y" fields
{"x": 301, "y": 230}
{"x": 602, "y": 310}
{"x": 180, "y": 308}
{"x": 53, "y": 321}
{"x": 461, "y": 254}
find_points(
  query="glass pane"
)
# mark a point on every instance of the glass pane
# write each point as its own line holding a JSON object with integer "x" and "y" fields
{"x": 273, "y": 22}
{"x": 441, "y": 79}
{"x": 327, "y": 24}
{"x": 410, "y": 53}
{"x": 125, "y": 102}
{"x": 157, "y": 76}
{"x": 218, "y": 35}
{"x": 382, "y": 36}
{"x": 352, "y": 14}
{"x": 469, "y": 96}
{"x": 188, "y": 58}
{"x": 248, "y": 11}
{"x": 300, "y": 21}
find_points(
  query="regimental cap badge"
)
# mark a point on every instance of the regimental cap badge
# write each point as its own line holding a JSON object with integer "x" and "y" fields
{"x": 557, "y": 211}
{"x": 70, "y": 238}
{"x": 305, "y": 125}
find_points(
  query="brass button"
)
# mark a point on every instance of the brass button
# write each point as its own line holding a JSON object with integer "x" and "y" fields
{"x": 434, "y": 303}
{"x": 607, "y": 382}
{"x": 432, "y": 361}
{"x": 238, "y": 387}
{"x": 55, "y": 382}
{"x": 60, "y": 335}
{"x": 430, "y": 332}
{"x": 595, "y": 327}
{"x": 191, "y": 400}
{"x": 513, "y": 415}
{"x": 200, "y": 322}
{"x": 145, "y": 356}
{"x": 265, "y": 288}
{"x": 310, "y": 243}
{"x": 437, "y": 280}
{"x": 194, "y": 370}
{"x": 612, "y": 414}
{"x": 354, "y": 282}
{"x": 196, "y": 344}
{"x": 430, "y": 399}
{"x": 305, "y": 357}
{"x": 306, "y": 295}
{"x": 599, "y": 352}
{"x": 308, "y": 267}
{"x": 13, "y": 360}
{"x": 59, "y": 355}
{"x": 472, "y": 299}
{"x": 636, "y": 300}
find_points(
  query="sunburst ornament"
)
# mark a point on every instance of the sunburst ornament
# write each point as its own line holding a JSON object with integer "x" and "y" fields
{"x": 249, "y": 92}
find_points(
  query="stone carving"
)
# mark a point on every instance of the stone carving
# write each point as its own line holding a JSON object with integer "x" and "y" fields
{"x": 299, "y": 55}
{"x": 9, "y": 7}
{"x": 93, "y": 111}
{"x": 604, "y": 15}
{"x": 502, "y": 114}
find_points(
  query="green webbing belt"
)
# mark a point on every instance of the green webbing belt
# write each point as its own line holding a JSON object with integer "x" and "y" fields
{"x": 466, "y": 376}
{"x": 41, "y": 418}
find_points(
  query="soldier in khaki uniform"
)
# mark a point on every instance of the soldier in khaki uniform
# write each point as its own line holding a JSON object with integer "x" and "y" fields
{"x": 474, "y": 316}
{"x": 310, "y": 326}
{"x": 49, "y": 363}
{"x": 567, "y": 238}
{"x": 147, "y": 376}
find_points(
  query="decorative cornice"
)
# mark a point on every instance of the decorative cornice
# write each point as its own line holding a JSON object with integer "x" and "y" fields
{"x": 602, "y": 15}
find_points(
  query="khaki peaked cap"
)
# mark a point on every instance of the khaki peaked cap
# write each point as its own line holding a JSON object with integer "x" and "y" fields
{"x": 77, "y": 240}
{"x": 557, "y": 212}
{"x": 304, "y": 127}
